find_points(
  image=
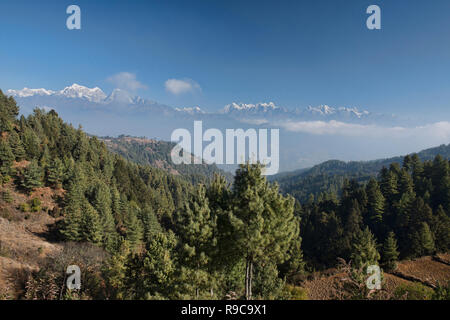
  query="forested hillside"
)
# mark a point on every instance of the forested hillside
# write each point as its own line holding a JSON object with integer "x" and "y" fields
{"x": 156, "y": 153}
{"x": 407, "y": 206}
{"x": 157, "y": 235}
{"x": 330, "y": 175}
{"x": 139, "y": 232}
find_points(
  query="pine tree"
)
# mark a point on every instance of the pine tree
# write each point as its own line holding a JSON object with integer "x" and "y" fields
{"x": 151, "y": 273}
{"x": 407, "y": 163}
{"x": 72, "y": 225}
{"x": 8, "y": 112}
{"x": 389, "y": 185}
{"x": 6, "y": 159}
{"x": 32, "y": 177}
{"x": 55, "y": 173}
{"x": 151, "y": 224}
{"x": 90, "y": 225}
{"x": 71, "y": 229}
{"x": 45, "y": 157}
{"x": 133, "y": 227}
{"x": 263, "y": 220}
{"x": 422, "y": 242}
{"x": 31, "y": 144}
{"x": 197, "y": 231}
{"x": 441, "y": 230}
{"x": 102, "y": 203}
{"x": 375, "y": 206}
{"x": 16, "y": 146}
{"x": 364, "y": 249}
{"x": 440, "y": 177}
{"x": 405, "y": 183}
{"x": 114, "y": 272}
{"x": 220, "y": 202}
{"x": 390, "y": 252}
{"x": 417, "y": 174}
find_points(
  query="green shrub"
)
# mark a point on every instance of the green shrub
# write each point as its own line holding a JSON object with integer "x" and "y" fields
{"x": 442, "y": 292}
{"x": 414, "y": 291}
{"x": 6, "y": 196}
{"x": 34, "y": 205}
{"x": 297, "y": 293}
{"x": 24, "y": 207}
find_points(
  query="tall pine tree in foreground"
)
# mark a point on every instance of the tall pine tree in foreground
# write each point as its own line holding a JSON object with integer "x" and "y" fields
{"x": 197, "y": 230}
{"x": 263, "y": 221}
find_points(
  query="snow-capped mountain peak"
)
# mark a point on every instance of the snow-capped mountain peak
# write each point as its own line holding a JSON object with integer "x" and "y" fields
{"x": 26, "y": 92}
{"x": 354, "y": 111}
{"x": 262, "y": 106}
{"x": 191, "y": 110}
{"x": 76, "y": 91}
{"x": 325, "y": 110}
{"x": 322, "y": 109}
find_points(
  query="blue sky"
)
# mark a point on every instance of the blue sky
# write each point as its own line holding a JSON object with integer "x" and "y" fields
{"x": 295, "y": 53}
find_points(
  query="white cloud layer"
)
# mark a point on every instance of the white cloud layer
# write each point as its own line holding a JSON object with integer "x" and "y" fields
{"x": 178, "y": 86}
{"x": 439, "y": 131}
{"x": 126, "y": 81}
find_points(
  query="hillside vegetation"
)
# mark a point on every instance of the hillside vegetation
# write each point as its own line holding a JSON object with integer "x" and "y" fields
{"x": 330, "y": 175}
{"x": 156, "y": 153}
{"x": 140, "y": 232}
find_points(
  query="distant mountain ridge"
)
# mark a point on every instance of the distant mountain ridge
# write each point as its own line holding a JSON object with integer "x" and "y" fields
{"x": 329, "y": 175}
{"x": 308, "y": 135}
{"x": 44, "y": 97}
{"x": 156, "y": 153}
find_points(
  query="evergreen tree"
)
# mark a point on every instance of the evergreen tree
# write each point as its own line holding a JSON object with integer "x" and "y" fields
{"x": 72, "y": 225}
{"x": 151, "y": 224}
{"x": 151, "y": 274}
{"x": 6, "y": 159}
{"x": 55, "y": 173}
{"x": 220, "y": 202}
{"x": 417, "y": 174}
{"x": 407, "y": 163}
{"x": 32, "y": 177}
{"x": 263, "y": 220}
{"x": 133, "y": 227}
{"x": 422, "y": 241}
{"x": 197, "y": 232}
{"x": 8, "y": 112}
{"x": 375, "y": 206}
{"x": 90, "y": 226}
{"x": 389, "y": 185}
{"x": 364, "y": 249}
{"x": 31, "y": 144}
{"x": 16, "y": 146}
{"x": 114, "y": 272}
{"x": 102, "y": 203}
{"x": 441, "y": 230}
{"x": 390, "y": 253}
{"x": 71, "y": 229}
{"x": 440, "y": 177}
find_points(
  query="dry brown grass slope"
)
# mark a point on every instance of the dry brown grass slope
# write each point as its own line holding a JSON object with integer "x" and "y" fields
{"x": 24, "y": 236}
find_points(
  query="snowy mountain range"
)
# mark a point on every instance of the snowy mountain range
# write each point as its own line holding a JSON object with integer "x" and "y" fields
{"x": 308, "y": 135}
{"x": 77, "y": 91}
{"x": 262, "y": 112}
